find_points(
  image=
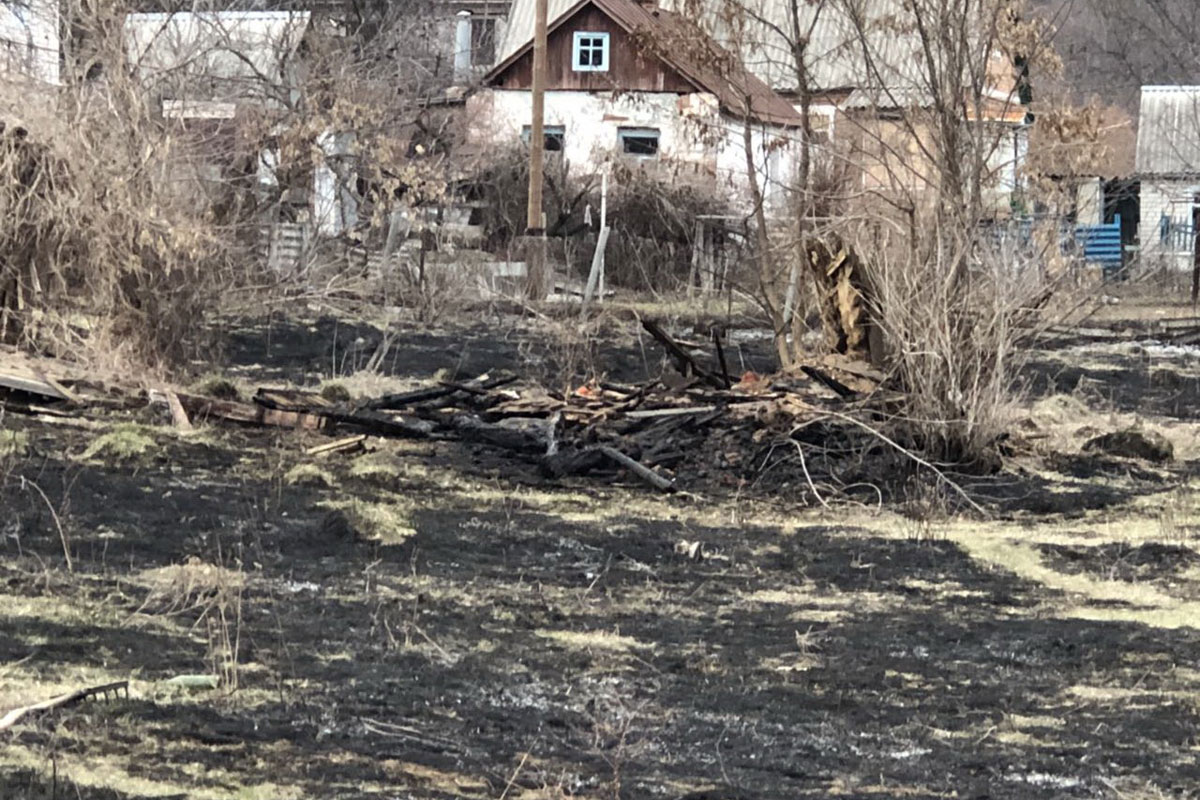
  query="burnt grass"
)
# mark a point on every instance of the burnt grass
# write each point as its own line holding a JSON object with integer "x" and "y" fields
{"x": 1149, "y": 562}
{"x": 377, "y": 666}
{"x": 552, "y": 642}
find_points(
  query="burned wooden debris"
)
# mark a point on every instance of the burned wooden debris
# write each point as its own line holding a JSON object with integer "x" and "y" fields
{"x": 684, "y": 431}
{"x": 106, "y": 691}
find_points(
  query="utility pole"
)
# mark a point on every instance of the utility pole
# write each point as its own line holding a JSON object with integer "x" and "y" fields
{"x": 535, "y": 227}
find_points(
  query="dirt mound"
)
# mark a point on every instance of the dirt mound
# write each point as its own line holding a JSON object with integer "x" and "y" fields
{"x": 1144, "y": 445}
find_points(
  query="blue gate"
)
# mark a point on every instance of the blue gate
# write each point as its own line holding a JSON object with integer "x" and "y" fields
{"x": 1101, "y": 244}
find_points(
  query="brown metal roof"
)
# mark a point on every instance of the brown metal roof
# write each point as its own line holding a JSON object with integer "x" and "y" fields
{"x": 838, "y": 40}
{"x": 684, "y": 47}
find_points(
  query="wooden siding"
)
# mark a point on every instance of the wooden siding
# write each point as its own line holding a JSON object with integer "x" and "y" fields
{"x": 629, "y": 69}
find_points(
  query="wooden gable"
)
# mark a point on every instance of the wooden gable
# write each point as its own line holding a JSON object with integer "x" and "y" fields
{"x": 630, "y": 69}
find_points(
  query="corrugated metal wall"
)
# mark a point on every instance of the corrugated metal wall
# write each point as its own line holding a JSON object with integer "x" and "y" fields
{"x": 1168, "y": 142}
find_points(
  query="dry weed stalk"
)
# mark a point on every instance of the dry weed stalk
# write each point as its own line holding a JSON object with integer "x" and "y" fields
{"x": 54, "y": 515}
{"x": 215, "y": 595}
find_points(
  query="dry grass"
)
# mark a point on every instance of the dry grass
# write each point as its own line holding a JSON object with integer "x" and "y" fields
{"x": 362, "y": 383}
{"x": 1139, "y": 602}
{"x": 13, "y": 444}
{"x": 608, "y": 641}
{"x": 222, "y": 387}
{"x": 182, "y": 584}
{"x": 437, "y": 780}
{"x": 381, "y": 466}
{"x": 105, "y": 774}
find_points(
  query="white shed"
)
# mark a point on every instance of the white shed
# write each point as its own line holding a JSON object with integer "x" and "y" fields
{"x": 1168, "y": 165}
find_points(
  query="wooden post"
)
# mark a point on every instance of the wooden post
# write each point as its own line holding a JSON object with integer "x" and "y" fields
{"x": 708, "y": 262}
{"x": 789, "y": 301}
{"x": 594, "y": 276}
{"x": 603, "y": 243}
{"x": 389, "y": 248}
{"x": 1195, "y": 253}
{"x": 534, "y": 224}
{"x": 537, "y": 125}
{"x": 604, "y": 199}
{"x": 697, "y": 246}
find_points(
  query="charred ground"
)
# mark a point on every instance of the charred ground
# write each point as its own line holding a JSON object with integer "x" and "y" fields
{"x": 421, "y": 621}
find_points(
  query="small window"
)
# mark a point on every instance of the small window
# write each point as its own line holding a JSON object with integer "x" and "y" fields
{"x": 590, "y": 53}
{"x": 553, "y": 136}
{"x": 641, "y": 142}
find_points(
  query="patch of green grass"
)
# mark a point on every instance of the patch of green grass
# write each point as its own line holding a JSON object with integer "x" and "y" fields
{"x": 380, "y": 466}
{"x": 309, "y": 475}
{"x": 127, "y": 443}
{"x": 13, "y": 443}
{"x": 386, "y": 523}
{"x": 218, "y": 386}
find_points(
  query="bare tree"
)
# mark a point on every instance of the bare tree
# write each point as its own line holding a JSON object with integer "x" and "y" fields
{"x": 138, "y": 188}
{"x": 1112, "y": 48}
{"x": 930, "y": 138}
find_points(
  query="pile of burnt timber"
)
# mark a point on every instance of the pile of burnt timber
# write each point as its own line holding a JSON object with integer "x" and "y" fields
{"x": 683, "y": 430}
{"x": 647, "y": 431}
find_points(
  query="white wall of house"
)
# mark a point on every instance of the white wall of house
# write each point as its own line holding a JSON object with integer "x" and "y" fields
{"x": 1089, "y": 201}
{"x": 30, "y": 41}
{"x": 1008, "y": 148}
{"x": 1172, "y": 198}
{"x": 774, "y": 152}
{"x": 691, "y": 129}
{"x": 591, "y": 122}
{"x": 334, "y": 203}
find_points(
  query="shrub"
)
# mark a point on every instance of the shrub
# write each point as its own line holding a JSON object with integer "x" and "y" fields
{"x": 652, "y": 210}
{"x": 653, "y": 214}
{"x": 503, "y": 189}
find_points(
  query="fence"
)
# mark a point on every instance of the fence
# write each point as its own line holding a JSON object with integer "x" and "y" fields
{"x": 286, "y": 247}
{"x": 1176, "y": 237}
{"x": 1093, "y": 244}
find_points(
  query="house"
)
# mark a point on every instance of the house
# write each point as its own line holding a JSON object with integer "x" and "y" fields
{"x": 221, "y": 73}
{"x": 1168, "y": 166}
{"x": 862, "y": 76}
{"x": 206, "y": 63}
{"x": 30, "y": 41}
{"x": 216, "y": 75}
{"x": 629, "y": 80}
{"x": 1085, "y": 161}
{"x": 463, "y": 36}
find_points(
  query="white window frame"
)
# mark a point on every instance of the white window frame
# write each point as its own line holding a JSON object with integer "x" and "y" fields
{"x": 577, "y": 50}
